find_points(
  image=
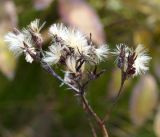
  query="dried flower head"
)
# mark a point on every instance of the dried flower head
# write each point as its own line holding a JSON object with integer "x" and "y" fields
{"x": 77, "y": 40}
{"x": 58, "y": 30}
{"x": 100, "y": 53}
{"x": 18, "y": 43}
{"x": 121, "y": 52}
{"x": 34, "y": 29}
{"x": 15, "y": 42}
{"x": 26, "y": 41}
{"x": 132, "y": 62}
{"x": 71, "y": 38}
{"x": 53, "y": 55}
{"x": 69, "y": 48}
{"x": 35, "y": 26}
{"x": 119, "y": 48}
{"x": 75, "y": 49}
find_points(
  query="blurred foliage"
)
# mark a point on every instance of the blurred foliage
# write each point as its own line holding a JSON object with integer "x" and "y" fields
{"x": 33, "y": 104}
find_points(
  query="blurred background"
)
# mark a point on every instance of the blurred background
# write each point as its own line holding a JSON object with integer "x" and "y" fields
{"x": 31, "y": 102}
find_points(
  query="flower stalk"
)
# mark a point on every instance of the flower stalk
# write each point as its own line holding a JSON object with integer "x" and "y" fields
{"x": 89, "y": 110}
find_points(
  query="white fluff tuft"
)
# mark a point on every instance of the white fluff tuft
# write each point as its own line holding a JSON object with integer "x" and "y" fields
{"x": 142, "y": 60}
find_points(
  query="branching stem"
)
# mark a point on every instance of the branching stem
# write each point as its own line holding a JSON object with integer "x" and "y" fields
{"x": 87, "y": 107}
{"x": 50, "y": 70}
{"x": 79, "y": 92}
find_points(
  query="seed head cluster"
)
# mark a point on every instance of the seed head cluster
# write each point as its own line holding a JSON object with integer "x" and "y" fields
{"x": 74, "y": 51}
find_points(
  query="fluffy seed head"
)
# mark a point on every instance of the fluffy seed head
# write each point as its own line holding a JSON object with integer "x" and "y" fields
{"x": 15, "y": 42}
{"x": 58, "y": 30}
{"x": 102, "y": 52}
{"x": 142, "y": 60}
{"x": 19, "y": 43}
{"x": 76, "y": 40}
{"x": 53, "y": 55}
{"x": 35, "y": 26}
{"x": 133, "y": 62}
{"x": 117, "y": 51}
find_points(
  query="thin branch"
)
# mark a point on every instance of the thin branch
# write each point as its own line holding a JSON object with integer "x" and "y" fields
{"x": 93, "y": 77}
{"x": 50, "y": 70}
{"x": 93, "y": 129}
{"x": 91, "y": 124}
{"x": 123, "y": 78}
{"x": 88, "y": 108}
{"x": 94, "y": 115}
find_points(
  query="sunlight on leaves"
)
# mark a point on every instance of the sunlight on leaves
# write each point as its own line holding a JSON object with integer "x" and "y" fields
{"x": 157, "y": 123}
{"x": 115, "y": 83}
{"x": 7, "y": 60}
{"x": 143, "y": 100}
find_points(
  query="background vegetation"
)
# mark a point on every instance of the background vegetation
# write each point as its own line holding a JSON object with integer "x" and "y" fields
{"x": 31, "y": 102}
